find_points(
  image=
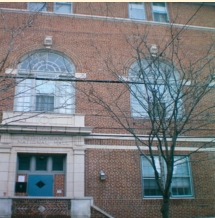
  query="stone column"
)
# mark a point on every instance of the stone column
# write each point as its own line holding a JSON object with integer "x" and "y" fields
{"x": 78, "y": 175}
{"x": 69, "y": 175}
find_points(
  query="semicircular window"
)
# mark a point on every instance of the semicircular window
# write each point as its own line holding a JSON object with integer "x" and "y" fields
{"x": 43, "y": 83}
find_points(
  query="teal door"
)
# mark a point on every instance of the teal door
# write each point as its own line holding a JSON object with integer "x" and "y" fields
{"x": 40, "y": 185}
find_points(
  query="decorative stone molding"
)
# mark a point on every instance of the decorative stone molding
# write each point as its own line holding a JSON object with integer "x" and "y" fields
{"x": 154, "y": 50}
{"x": 48, "y": 41}
{"x": 50, "y": 123}
{"x": 44, "y": 119}
{"x": 11, "y": 71}
{"x": 81, "y": 75}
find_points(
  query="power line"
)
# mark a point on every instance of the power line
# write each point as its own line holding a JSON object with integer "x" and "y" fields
{"x": 97, "y": 81}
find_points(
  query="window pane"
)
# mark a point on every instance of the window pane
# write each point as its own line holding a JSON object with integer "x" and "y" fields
{"x": 63, "y": 7}
{"x": 48, "y": 62}
{"x": 41, "y": 163}
{"x": 160, "y": 17}
{"x": 181, "y": 167}
{"x": 138, "y": 101}
{"x": 136, "y": 10}
{"x": 24, "y": 162}
{"x": 37, "y": 6}
{"x": 23, "y": 95}
{"x": 162, "y": 4}
{"x": 45, "y": 87}
{"x": 181, "y": 186}
{"x": 151, "y": 188}
{"x": 44, "y": 103}
{"x": 159, "y": 9}
{"x": 57, "y": 163}
{"x": 148, "y": 169}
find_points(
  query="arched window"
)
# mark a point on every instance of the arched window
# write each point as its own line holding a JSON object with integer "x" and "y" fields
{"x": 155, "y": 91}
{"x": 40, "y": 88}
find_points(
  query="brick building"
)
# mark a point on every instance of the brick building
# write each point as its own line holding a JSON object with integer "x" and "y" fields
{"x": 57, "y": 142}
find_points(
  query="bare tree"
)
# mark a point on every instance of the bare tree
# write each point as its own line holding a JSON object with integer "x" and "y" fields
{"x": 169, "y": 87}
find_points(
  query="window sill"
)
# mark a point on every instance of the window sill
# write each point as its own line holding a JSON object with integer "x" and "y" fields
{"x": 172, "y": 198}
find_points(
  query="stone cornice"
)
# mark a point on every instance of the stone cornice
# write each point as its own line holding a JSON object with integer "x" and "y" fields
{"x": 50, "y": 130}
{"x": 145, "y": 137}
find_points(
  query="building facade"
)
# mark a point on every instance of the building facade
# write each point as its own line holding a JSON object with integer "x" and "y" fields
{"x": 62, "y": 152}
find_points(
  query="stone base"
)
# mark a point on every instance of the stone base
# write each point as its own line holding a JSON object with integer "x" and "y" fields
{"x": 5, "y": 207}
{"x": 80, "y": 208}
{"x": 27, "y": 206}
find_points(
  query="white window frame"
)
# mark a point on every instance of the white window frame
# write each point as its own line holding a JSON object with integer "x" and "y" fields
{"x": 160, "y": 10}
{"x": 139, "y": 105}
{"x": 63, "y": 3}
{"x": 181, "y": 159}
{"x": 44, "y": 8}
{"x": 64, "y": 92}
{"x": 140, "y": 7}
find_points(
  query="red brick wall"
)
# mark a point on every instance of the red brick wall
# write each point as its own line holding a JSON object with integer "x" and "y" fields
{"x": 121, "y": 193}
{"x": 59, "y": 184}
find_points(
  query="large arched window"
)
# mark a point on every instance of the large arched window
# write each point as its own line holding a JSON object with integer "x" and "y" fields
{"x": 156, "y": 90}
{"x": 40, "y": 87}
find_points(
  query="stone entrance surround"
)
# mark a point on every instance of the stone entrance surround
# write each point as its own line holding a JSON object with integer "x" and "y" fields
{"x": 35, "y": 133}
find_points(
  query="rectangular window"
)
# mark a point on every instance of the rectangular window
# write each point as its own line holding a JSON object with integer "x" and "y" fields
{"x": 136, "y": 10}
{"x": 24, "y": 162}
{"x": 159, "y": 11}
{"x": 57, "y": 163}
{"x": 37, "y": 6}
{"x": 150, "y": 188}
{"x": 41, "y": 163}
{"x": 63, "y": 7}
{"x": 44, "y": 103}
{"x": 181, "y": 184}
{"x": 181, "y": 181}
{"x": 45, "y": 92}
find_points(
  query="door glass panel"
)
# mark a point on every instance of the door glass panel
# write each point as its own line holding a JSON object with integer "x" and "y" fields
{"x": 57, "y": 163}
{"x": 41, "y": 163}
{"x": 24, "y": 162}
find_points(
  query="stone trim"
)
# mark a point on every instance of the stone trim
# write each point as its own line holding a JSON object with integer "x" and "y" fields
{"x": 145, "y": 137}
{"x": 94, "y": 17}
{"x": 124, "y": 147}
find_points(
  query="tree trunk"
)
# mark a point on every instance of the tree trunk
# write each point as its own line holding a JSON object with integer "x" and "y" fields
{"x": 165, "y": 208}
